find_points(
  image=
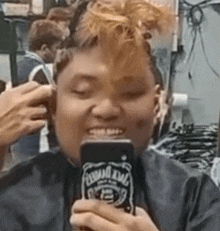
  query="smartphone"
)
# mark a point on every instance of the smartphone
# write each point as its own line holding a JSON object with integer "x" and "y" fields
{"x": 107, "y": 172}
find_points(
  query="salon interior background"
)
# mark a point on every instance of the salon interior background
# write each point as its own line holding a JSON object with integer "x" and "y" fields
{"x": 196, "y": 59}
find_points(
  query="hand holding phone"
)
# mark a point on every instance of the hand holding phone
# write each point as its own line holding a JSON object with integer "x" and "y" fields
{"x": 107, "y": 172}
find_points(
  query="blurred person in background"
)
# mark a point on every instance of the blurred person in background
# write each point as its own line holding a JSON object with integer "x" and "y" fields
{"x": 44, "y": 40}
{"x": 62, "y": 17}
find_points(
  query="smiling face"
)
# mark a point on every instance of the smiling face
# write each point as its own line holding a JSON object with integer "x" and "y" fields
{"x": 96, "y": 98}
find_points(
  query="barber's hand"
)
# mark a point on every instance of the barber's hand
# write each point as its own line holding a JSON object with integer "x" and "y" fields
{"x": 23, "y": 110}
{"x": 98, "y": 216}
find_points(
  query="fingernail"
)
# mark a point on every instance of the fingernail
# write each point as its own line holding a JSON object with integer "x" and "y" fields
{"x": 47, "y": 86}
{"x": 44, "y": 109}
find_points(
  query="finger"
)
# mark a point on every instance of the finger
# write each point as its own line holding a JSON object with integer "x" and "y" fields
{"x": 140, "y": 212}
{"x": 40, "y": 95}
{"x": 40, "y": 112}
{"x": 32, "y": 126}
{"x": 144, "y": 217}
{"x": 92, "y": 221}
{"x": 26, "y": 129}
{"x": 101, "y": 208}
{"x": 26, "y": 87}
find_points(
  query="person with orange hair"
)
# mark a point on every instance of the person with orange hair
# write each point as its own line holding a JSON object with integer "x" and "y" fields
{"x": 105, "y": 87}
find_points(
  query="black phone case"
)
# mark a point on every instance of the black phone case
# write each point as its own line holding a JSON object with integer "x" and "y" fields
{"x": 107, "y": 172}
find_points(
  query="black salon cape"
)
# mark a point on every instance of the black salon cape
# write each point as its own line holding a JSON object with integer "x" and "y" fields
{"x": 37, "y": 195}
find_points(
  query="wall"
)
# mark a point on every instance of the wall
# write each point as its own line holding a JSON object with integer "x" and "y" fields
{"x": 5, "y": 73}
{"x": 196, "y": 77}
{"x": 5, "y": 67}
{"x": 22, "y": 45}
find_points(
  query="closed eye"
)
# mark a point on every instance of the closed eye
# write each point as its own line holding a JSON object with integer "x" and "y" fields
{"x": 81, "y": 89}
{"x": 83, "y": 94}
{"x": 79, "y": 92}
{"x": 134, "y": 94}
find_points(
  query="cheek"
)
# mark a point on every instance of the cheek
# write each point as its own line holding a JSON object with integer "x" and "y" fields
{"x": 69, "y": 125}
{"x": 140, "y": 123}
{"x": 145, "y": 118}
{"x": 65, "y": 111}
{"x": 142, "y": 112}
{"x": 144, "y": 122}
{"x": 142, "y": 118}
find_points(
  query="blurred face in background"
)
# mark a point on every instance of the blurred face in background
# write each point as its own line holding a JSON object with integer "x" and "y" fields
{"x": 64, "y": 25}
{"x": 49, "y": 52}
{"x": 96, "y": 98}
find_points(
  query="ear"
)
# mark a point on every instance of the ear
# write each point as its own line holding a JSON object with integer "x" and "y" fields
{"x": 157, "y": 103}
{"x": 44, "y": 47}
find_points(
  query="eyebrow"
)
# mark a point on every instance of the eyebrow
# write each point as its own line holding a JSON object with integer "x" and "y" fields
{"x": 84, "y": 76}
{"x": 93, "y": 78}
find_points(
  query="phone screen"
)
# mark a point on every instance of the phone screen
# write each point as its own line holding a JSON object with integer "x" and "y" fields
{"x": 107, "y": 172}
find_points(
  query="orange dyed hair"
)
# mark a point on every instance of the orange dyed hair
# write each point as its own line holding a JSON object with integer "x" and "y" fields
{"x": 121, "y": 28}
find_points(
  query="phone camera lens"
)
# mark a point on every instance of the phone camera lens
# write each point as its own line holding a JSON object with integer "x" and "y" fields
{"x": 124, "y": 157}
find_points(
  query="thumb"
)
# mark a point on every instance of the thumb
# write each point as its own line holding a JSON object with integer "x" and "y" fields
{"x": 140, "y": 212}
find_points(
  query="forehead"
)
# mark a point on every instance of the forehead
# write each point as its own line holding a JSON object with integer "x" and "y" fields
{"x": 93, "y": 62}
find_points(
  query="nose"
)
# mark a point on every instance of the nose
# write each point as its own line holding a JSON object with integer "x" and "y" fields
{"x": 106, "y": 109}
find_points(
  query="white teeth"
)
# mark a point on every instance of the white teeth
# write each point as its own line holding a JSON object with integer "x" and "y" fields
{"x": 105, "y": 131}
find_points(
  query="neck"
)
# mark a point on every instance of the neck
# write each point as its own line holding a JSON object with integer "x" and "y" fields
{"x": 39, "y": 53}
